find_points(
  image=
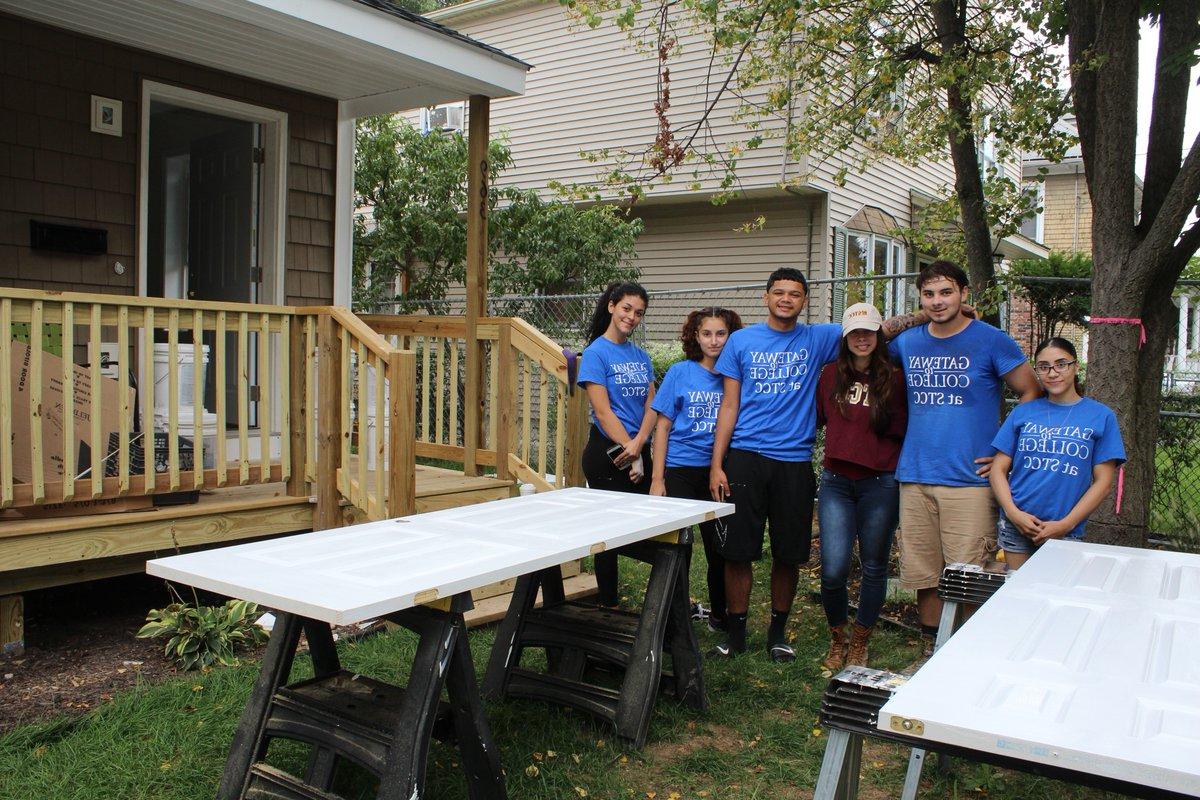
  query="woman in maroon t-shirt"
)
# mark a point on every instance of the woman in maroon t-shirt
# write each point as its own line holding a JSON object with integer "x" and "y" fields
{"x": 861, "y": 401}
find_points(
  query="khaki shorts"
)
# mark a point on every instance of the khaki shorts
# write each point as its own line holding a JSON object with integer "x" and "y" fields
{"x": 942, "y": 525}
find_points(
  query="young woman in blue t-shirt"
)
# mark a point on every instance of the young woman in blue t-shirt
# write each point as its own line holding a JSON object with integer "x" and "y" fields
{"x": 1056, "y": 458}
{"x": 619, "y": 380}
{"x": 687, "y": 403}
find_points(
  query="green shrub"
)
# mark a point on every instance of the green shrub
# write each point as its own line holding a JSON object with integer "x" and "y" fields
{"x": 663, "y": 355}
{"x": 205, "y": 635}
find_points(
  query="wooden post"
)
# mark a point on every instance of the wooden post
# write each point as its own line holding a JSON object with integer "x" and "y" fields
{"x": 477, "y": 250}
{"x": 297, "y": 389}
{"x": 506, "y": 400}
{"x": 12, "y": 621}
{"x": 577, "y": 436}
{"x": 402, "y": 433}
{"x": 329, "y": 429}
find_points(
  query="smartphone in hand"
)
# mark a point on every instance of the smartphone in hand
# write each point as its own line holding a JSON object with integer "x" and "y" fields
{"x": 614, "y": 452}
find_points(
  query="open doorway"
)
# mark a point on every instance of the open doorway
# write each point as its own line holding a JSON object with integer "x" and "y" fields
{"x": 202, "y": 222}
{"x": 212, "y": 215}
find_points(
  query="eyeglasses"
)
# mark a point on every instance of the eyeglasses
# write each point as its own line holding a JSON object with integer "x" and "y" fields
{"x": 1058, "y": 366}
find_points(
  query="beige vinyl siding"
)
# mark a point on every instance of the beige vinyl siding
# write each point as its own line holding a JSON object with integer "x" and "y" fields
{"x": 590, "y": 89}
{"x": 691, "y": 245}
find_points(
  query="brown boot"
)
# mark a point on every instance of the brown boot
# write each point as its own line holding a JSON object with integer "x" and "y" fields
{"x": 857, "y": 652}
{"x": 836, "y": 658}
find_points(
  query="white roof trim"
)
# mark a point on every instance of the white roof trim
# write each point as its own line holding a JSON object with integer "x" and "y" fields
{"x": 340, "y": 49}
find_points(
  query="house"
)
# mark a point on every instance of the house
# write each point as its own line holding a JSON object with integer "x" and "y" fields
{"x": 591, "y": 90}
{"x": 175, "y": 256}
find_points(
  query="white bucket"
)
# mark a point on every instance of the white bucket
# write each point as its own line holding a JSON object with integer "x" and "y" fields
{"x": 185, "y": 358}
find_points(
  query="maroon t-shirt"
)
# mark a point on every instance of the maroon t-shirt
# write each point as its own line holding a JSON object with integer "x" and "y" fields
{"x": 852, "y": 447}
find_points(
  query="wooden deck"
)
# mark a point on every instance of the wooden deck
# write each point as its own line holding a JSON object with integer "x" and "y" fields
{"x": 37, "y": 553}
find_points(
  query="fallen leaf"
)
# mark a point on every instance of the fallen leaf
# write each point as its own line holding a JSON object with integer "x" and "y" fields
{"x": 816, "y": 731}
{"x": 599, "y": 743}
{"x": 575, "y": 757}
{"x": 624, "y": 759}
{"x": 551, "y": 754}
{"x": 165, "y": 765}
{"x": 582, "y": 792}
{"x": 538, "y": 756}
{"x": 532, "y": 771}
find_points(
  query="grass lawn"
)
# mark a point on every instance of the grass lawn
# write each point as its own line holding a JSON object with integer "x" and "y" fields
{"x": 760, "y": 738}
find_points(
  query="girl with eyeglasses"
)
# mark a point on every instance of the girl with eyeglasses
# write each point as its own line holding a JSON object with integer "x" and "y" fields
{"x": 619, "y": 380}
{"x": 1056, "y": 458}
{"x": 687, "y": 405}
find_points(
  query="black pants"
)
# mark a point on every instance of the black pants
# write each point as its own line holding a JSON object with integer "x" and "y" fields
{"x": 691, "y": 483}
{"x": 601, "y": 473}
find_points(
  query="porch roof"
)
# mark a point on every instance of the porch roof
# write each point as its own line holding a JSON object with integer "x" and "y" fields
{"x": 371, "y": 54}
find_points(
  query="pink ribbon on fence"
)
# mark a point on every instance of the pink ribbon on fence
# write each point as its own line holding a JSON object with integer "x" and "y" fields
{"x": 1123, "y": 321}
{"x": 1141, "y": 341}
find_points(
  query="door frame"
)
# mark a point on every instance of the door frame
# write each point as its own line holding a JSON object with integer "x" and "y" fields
{"x": 272, "y": 217}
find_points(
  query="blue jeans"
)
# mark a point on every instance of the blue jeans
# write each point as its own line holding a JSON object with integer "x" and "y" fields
{"x": 865, "y": 511}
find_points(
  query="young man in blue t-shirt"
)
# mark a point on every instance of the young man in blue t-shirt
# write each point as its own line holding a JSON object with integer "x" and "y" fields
{"x": 762, "y": 451}
{"x": 955, "y": 368}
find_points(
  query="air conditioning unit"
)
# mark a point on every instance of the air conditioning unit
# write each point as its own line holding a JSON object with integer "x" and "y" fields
{"x": 448, "y": 117}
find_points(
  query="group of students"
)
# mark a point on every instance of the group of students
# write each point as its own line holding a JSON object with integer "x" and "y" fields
{"x": 911, "y": 408}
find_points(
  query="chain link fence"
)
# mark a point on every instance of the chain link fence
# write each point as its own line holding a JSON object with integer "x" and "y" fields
{"x": 1175, "y": 507}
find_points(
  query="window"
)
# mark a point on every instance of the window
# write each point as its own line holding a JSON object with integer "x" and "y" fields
{"x": 857, "y": 253}
{"x": 447, "y": 117}
{"x": 986, "y": 146}
{"x": 1032, "y": 225}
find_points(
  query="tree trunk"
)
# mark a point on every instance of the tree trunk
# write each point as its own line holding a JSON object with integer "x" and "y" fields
{"x": 1113, "y": 357}
{"x": 968, "y": 177}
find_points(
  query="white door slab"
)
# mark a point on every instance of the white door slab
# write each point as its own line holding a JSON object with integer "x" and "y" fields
{"x": 349, "y": 574}
{"x": 1088, "y": 658}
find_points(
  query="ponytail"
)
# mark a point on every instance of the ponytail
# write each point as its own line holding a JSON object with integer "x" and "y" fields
{"x": 602, "y": 317}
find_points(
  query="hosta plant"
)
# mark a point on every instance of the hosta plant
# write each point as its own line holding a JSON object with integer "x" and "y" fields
{"x": 201, "y": 636}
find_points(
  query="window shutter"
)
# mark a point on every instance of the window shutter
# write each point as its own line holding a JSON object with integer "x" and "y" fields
{"x": 838, "y": 306}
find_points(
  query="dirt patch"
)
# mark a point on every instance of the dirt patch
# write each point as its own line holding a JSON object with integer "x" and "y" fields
{"x": 80, "y": 649}
{"x": 717, "y": 737}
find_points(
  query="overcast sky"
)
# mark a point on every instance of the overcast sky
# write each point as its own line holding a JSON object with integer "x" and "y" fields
{"x": 1148, "y": 53}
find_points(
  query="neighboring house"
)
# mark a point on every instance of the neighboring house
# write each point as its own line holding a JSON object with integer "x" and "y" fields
{"x": 590, "y": 89}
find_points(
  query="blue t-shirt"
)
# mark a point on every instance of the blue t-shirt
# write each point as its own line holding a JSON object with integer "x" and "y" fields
{"x": 954, "y": 390}
{"x": 1053, "y": 449}
{"x": 778, "y": 370}
{"x": 625, "y": 371}
{"x": 690, "y": 397}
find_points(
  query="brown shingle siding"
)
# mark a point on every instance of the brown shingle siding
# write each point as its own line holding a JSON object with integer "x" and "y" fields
{"x": 53, "y": 167}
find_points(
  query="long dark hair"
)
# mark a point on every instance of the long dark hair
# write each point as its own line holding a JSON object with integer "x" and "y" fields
{"x": 880, "y": 375}
{"x": 691, "y": 327}
{"x": 1061, "y": 344}
{"x": 601, "y": 317}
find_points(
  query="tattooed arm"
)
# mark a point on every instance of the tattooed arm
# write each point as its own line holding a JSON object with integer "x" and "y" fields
{"x": 894, "y": 326}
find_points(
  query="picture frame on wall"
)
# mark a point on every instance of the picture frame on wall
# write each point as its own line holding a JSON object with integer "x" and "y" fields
{"x": 106, "y": 115}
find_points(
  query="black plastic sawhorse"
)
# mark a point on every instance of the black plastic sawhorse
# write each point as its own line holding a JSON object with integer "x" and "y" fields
{"x": 580, "y": 638}
{"x": 383, "y": 728}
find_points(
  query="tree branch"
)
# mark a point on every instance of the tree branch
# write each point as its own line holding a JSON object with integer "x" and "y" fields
{"x": 1160, "y": 239}
{"x": 1179, "y": 33}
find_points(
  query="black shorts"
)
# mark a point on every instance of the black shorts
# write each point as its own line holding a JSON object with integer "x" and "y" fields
{"x": 774, "y": 494}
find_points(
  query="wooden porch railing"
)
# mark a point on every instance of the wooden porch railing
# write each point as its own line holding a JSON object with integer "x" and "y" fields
{"x": 238, "y": 336}
{"x": 532, "y": 427}
{"x": 365, "y": 407}
{"x": 273, "y": 369}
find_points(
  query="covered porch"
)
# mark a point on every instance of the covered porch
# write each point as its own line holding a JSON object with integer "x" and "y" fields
{"x": 312, "y": 417}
